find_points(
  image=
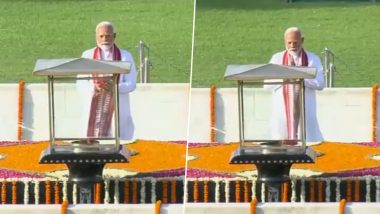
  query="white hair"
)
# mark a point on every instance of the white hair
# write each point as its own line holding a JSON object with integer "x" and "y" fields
{"x": 105, "y": 24}
{"x": 293, "y": 29}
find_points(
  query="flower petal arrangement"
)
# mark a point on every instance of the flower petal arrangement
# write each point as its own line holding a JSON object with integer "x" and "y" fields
{"x": 164, "y": 158}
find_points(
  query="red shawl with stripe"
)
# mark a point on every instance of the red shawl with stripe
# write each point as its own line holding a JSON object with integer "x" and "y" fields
{"x": 291, "y": 97}
{"x": 102, "y": 103}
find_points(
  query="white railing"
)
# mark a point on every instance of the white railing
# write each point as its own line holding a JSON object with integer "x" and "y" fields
{"x": 329, "y": 67}
{"x": 144, "y": 62}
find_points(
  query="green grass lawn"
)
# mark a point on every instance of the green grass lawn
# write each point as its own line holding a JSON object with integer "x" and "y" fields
{"x": 227, "y": 32}
{"x": 247, "y": 31}
{"x": 32, "y": 29}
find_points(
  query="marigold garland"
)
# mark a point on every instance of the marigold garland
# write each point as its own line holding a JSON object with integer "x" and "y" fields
{"x": 165, "y": 191}
{"x": 337, "y": 189}
{"x": 237, "y": 191}
{"x": 205, "y": 190}
{"x": 196, "y": 195}
{"x": 157, "y": 207}
{"x": 173, "y": 191}
{"x": 326, "y": 164}
{"x": 342, "y": 206}
{"x": 253, "y": 206}
{"x": 212, "y": 113}
{"x": 320, "y": 147}
{"x": 64, "y": 206}
{"x": 4, "y": 192}
{"x": 56, "y": 193}
{"x": 357, "y": 190}
{"x": 312, "y": 190}
{"x": 263, "y": 192}
{"x": 374, "y": 112}
{"x": 134, "y": 191}
{"x": 320, "y": 191}
{"x": 75, "y": 193}
{"x": 285, "y": 190}
{"x": 246, "y": 192}
{"x": 16, "y": 157}
{"x": 126, "y": 191}
{"x": 47, "y": 192}
{"x": 349, "y": 190}
{"x": 20, "y": 116}
{"x": 14, "y": 192}
{"x": 98, "y": 190}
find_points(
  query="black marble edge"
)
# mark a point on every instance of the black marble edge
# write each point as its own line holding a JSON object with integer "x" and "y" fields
{"x": 308, "y": 156}
{"x": 48, "y": 157}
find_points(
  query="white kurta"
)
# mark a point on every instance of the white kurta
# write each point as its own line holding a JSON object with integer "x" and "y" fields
{"x": 127, "y": 83}
{"x": 278, "y": 121}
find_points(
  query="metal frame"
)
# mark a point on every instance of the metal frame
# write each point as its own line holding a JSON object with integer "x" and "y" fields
{"x": 301, "y": 103}
{"x": 53, "y": 139}
{"x": 273, "y": 158}
{"x": 51, "y": 112}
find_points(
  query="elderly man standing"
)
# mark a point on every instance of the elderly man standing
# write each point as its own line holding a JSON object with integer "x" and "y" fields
{"x": 285, "y": 120}
{"x": 101, "y": 108}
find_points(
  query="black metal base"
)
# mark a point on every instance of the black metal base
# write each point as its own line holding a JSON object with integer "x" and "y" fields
{"x": 85, "y": 173}
{"x": 273, "y": 168}
{"x": 261, "y": 156}
{"x": 84, "y": 167}
{"x": 277, "y": 173}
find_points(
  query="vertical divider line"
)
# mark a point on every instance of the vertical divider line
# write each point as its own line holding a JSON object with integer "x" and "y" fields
{"x": 189, "y": 106}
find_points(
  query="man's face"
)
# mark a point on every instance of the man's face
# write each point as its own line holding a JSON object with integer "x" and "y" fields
{"x": 105, "y": 37}
{"x": 293, "y": 42}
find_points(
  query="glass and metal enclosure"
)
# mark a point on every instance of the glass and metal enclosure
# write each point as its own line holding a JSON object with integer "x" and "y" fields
{"x": 268, "y": 124}
{"x": 68, "y": 121}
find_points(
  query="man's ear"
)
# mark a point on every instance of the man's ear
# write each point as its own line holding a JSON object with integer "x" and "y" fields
{"x": 114, "y": 35}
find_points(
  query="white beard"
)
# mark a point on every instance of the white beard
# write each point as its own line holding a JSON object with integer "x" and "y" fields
{"x": 106, "y": 47}
{"x": 294, "y": 53}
